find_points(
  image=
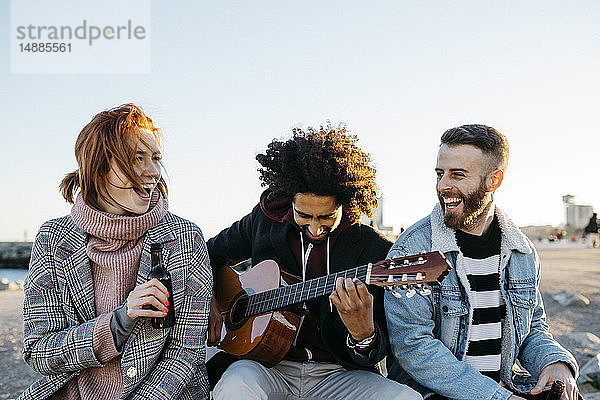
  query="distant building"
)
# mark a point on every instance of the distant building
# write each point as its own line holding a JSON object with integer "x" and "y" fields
{"x": 577, "y": 216}
{"x": 377, "y": 221}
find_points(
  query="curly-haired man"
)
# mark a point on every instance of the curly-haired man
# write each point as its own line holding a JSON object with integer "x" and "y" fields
{"x": 318, "y": 185}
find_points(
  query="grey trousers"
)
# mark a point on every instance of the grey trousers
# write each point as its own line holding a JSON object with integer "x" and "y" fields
{"x": 247, "y": 379}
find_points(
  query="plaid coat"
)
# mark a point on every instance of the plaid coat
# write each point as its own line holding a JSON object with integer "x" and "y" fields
{"x": 59, "y": 314}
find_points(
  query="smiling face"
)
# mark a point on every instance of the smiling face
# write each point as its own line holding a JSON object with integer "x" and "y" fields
{"x": 316, "y": 215}
{"x": 121, "y": 195}
{"x": 464, "y": 187}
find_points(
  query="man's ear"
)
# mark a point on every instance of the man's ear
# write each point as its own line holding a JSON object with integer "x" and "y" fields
{"x": 495, "y": 180}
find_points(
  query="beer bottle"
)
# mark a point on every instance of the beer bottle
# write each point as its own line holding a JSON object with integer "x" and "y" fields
{"x": 556, "y": 391}
{"x": 159, "y": 272}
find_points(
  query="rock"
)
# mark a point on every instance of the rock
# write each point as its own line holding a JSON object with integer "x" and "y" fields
{"x": 567, "y": 298}
{"x": 589, "y": 342}
{"x": 5, "y": 284}
{"x": 592, "y": 396}
{"x": 590, "y": 372}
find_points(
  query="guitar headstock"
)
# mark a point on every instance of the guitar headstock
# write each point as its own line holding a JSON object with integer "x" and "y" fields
{"x": 408, "y": 273}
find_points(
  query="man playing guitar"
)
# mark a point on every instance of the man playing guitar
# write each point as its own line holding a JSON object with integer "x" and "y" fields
{"x": 318, "y": 185}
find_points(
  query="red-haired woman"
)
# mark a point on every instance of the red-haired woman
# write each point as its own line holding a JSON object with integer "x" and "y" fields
{"x": 88, "y": 297}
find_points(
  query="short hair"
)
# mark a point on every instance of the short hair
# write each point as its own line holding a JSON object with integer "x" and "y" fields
{"x": 487, "y": 139}
{"x": 111, "y": 135}
{"x": 324, "y": 162}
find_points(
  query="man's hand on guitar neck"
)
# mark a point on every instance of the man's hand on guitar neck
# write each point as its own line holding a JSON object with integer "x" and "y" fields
{"x": 354, "y": 304}
{"x": 215, "y": 323}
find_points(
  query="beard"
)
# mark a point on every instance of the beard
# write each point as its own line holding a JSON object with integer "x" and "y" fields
{"x": 474, "y": 205}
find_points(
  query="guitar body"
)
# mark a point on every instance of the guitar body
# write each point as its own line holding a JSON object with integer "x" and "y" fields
{"x": 265, "y": 338}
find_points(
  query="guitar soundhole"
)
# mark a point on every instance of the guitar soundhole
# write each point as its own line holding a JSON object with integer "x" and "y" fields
{"x": 237, "y": 312}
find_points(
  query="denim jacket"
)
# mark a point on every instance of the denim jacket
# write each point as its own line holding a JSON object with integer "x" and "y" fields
{"x": 429, "y": 334}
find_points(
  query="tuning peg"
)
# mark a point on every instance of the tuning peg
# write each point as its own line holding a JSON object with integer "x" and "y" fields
{"x": 425, "y": 291}
{"x": 396, "y": 293}
{"x": 410, "y": 292}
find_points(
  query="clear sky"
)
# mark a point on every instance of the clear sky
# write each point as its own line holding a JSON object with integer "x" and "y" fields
{"x": 228, "y": 78}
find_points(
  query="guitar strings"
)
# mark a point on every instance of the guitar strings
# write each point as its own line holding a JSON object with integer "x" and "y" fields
{"x": 255, "y": 304}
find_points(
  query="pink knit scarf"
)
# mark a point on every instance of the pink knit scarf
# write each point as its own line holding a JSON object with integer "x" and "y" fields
{"x": 116, "y": 239}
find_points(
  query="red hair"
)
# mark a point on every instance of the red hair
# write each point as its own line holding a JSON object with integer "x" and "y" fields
{"x": 111, "y": 135}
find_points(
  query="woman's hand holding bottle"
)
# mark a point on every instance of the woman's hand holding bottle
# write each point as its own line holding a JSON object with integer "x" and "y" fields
{"x": 145, "y": 296}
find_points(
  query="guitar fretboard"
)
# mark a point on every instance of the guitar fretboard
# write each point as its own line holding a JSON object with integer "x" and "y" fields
{"x": 297, "y": 293}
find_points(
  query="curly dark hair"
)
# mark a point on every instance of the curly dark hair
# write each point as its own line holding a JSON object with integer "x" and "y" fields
{"x": 325, "y": 162}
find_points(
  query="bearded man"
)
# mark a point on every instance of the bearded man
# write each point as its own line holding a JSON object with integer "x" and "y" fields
{"x": 464, "y": 340}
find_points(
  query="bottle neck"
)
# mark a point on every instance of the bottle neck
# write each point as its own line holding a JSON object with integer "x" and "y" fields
{"x": 157, "y": 270}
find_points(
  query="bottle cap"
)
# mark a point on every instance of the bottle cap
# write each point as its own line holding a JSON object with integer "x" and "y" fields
{"x": 155, "y": 247}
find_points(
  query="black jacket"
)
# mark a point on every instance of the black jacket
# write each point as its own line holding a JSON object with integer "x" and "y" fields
{"x": 592, "y": 226}
{"x": 261, "y": 238}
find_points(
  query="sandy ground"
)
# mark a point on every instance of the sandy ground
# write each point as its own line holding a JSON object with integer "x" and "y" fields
{"x": 15, "y": 375}
{"x": 577, "y": 270}
{"x": 565, "y": 267}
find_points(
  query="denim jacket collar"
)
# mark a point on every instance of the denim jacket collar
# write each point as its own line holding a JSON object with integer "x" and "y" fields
{"x": 444, "y": 240}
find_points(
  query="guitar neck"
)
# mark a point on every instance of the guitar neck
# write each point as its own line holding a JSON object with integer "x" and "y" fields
{"x": 297, "y": 293}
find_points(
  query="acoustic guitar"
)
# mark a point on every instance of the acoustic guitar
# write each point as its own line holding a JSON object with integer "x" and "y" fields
{"x": 257, "y": 321}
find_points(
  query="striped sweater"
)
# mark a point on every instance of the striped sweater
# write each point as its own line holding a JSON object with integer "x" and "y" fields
{"x": 482, "y": 261}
